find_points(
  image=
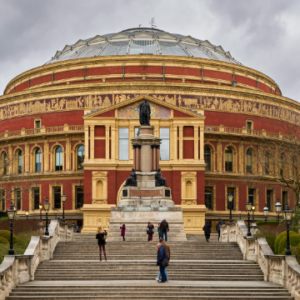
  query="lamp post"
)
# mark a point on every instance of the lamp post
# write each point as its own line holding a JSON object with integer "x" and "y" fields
{"x": 278, "y": 208}
{"x": 46, "y": 207}
{"x": 63, "y": 199}
{"x": 288, "y": 214}
{"x": 240, "y": 214}
{"x": 266, "y": 212}
{"x": 230, "y": 198}
{"x": 40, "y": 207}
{"x": 11, "y": 213}
{"x": 253, "y": 209}
{"x": 27, "y": 213}
{"x": 248, "y": 209}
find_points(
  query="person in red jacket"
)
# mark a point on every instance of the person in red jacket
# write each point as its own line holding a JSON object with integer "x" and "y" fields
{"x": 123, "y": 228}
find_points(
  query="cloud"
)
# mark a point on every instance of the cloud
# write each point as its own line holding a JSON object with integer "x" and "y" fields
{"x": 262, "y": 35}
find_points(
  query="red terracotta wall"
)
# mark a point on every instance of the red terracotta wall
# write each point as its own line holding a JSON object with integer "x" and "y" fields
{"x": 143, "y": 70}
{"x": 188, "y": 131}
{"x": 104, "y": 71}
{"x": 179, "y": 114}
{"x": 110, "y": 113}
{"x": 99, "y": 148}
{"x": 188, "y": 149}
{"x": 69, "y": 74}
{"x": 41, "y": 79}
{"x": 100, "y": 131}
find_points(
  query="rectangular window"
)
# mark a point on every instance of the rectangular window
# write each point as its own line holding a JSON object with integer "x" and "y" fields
{"x": 232, "y": 192}
{"x": 284, "y": 199}
{"x": 36, "y": 198}
{"x": 2, "y": 198}
{"x": 79, "y": 197}
{"x": 208, "y": 197}
{"x": 164, "y": 135}
{"x": 18, "y": 199}
{"x": 249, "y": 127}
{"x": 251, "y": 195}
{"x": 269, "y": 199}
{"x": 37, "y": 126}
{"x": 123, "y": 143}
{"x": 57, "y": 197}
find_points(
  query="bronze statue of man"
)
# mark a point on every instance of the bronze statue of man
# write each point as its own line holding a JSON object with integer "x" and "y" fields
{"x": 145, "y": 112}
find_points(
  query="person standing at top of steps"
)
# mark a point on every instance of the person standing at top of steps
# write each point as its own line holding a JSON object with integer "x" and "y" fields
{"x": 167, "y": 248}
{"x": 164, "y": 228}
{"x": 218, "y": 228}
{"x": 206, "y": 229}
{"x": 150, "y": 231}
{"x": 161, "y": 259}
{"x": 101, "y": 241}
{"x": 123, "y": 228}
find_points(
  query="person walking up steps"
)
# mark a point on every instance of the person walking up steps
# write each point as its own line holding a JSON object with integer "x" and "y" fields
{"x": 206, "y": 229}
{"x": 218, "y": 228}
{"x": 150, "y": 232}
{"x": 158, "y": 231}
{"x": 167, "y": 248}
{"x": 162, "y": 262}
{"x": 123, "y": 228}
{"x": 101, "y": 242}
{"x": 164, "y": 228}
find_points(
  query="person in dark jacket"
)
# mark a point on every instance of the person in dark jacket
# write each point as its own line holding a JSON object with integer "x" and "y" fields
{"x": 101, "y": 241}
{"x": 123, "y": 228}
{"x": 167, "y": 248}
{"x": 218, "y": 228}
{"x": 206, "y": 229}
{"x": 164, "y": 228}
{"x": 161, "y": 255}
{"x": 150, "y": 231}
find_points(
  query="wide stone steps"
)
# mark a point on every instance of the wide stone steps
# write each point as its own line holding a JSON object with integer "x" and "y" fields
{"x": 147, "y": 292}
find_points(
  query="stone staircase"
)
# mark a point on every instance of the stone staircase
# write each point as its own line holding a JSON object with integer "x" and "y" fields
{"x": 197, "y": 270}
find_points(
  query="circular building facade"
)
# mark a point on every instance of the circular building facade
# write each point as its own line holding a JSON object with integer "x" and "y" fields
{"x": 66, "y": 127}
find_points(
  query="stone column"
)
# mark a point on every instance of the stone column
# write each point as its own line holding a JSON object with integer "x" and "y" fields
{"x": 86, "y": 141}
{"x": 134, "y": 157}
{"x": 153, "y": 148}
{"x": 92, "y": 142}
{"x": 157, "y": 156}
{"x": 202, "y": 144}
{"x": 131, "y": 136}
{"x": 113, "y": 142}
{"x": 27, "y": 157}
{"x": 138, "y": 157}
{"x": 68, "y": 154}
{"x": 241, "y": 156}
{"x": 219, "y": 156}
{"x": 106, "y": 142}
{"x": 145, "y": 158}
{"x": 10, "y": 160}
{"x": 174, "y": 151}
{"x": 181, "y": 142}
{"x": 46, "y": 155}
{"x": 196, "y": 153}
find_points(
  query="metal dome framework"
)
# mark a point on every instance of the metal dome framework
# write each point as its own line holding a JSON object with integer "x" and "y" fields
{"x": 143, "y": 40}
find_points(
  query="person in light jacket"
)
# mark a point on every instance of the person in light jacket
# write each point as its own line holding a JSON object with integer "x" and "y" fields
{"x": 123, "y": 228}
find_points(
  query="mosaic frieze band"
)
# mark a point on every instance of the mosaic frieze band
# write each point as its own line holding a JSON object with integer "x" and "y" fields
{"x": 93, "y": 102}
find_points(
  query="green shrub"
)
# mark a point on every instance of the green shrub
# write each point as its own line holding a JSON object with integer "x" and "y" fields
{"x": 6, "y": 235}
{"x": 3, "y": 240}
{"x": 278, "y": 238}
{"x": 270, "y": 239}
{"x": 274, "y": 223}
{"x": 294, "y": 241}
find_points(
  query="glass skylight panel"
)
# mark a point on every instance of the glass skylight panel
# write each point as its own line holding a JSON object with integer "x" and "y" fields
{"x": 196, "y": 51}
{"x": 169, "y": 48}
{"x": 115, "y": 48}
{"x": 143, "y": 47}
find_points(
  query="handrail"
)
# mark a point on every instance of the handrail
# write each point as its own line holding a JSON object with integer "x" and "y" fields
{"x": 41, "y": 131}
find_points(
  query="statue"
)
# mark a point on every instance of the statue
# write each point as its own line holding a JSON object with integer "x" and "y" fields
{"x": 159, "y": 181}
{"x": 131, "y": 181}
{"x": 145, "y": 112}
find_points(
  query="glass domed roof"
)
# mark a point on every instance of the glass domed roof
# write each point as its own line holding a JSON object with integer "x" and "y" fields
{"x": 143, "y": 40}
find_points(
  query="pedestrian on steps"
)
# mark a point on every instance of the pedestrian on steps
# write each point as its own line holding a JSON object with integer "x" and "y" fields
{"x": 123, "y": 228}
{"x": 206, "y": 229}
{"x": 167, "y": 248}
{"x": 150, "y": 231}
{"x": 159, "y": 232}
{"x": 218, "y": 228}
{"x": 100, "y": 236}
{"x": 164, "y": 228}
{"x": 162, "y": 262}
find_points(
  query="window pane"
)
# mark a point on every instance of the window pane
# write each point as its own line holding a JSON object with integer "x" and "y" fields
{"x": 36, "y": 198}
{"x": 164, "y": 133}
{"x": 79, "y": 197}
{"x": 251, "y": 195}
{"x": 207, "y": 158}
{"x": 18, "y": 199}
{"x": 123, "y": 149}
{"x": 165, "y": 143}
{"x": 38, "y": 160}
{"x": 20, "y": 162}
{"x": 58, "y": 159}
{"x": 208, "y": 198}
{"x": 123, "y": 133}
{"x": 269, "y": 199}
{"x": 57, "y": 197}
{"x": 80, "y": 157}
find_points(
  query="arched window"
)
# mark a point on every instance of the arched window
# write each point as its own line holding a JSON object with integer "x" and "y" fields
{"x": 80, "y": 157}
{"x": 20, "y": 162}
{"x": 228, "y": 160}
{"x": 4, "y": 163}
{"x": 38, "y": 160}
{"x": 267, "y": 163}
{"x": 58, "y": 159}
{"x": 207, "y": 157}
{"x": 249, "y": 161}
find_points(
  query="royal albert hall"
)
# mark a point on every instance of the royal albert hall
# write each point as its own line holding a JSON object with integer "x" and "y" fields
{"x": 66, "y": 127}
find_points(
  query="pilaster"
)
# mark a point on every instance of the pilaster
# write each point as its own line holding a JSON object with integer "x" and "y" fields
{"x": 113, "y": 142}
{"x": 68, "y": 154}
{"x": 202, "y": 144}
{"x": 174, "y": 143}
{"x": 196, "y": 153}
{"x": 27, "y": 157}
{"x": 46, "y": 155}
{"x": 131, "y": 136}
{"x": 180, "y": 142}
{"x": 107, "y": 142}
{"x": 10, "y": 160}
{"x": 92, "y": 141}
{"x": 241, "y": 156}
{"x": 86, "y": 141}
{"x": 219, "y": 155}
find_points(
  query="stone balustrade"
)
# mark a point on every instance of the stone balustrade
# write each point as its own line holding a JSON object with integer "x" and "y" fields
{"x": 17, "y": 269}
{"x": 278, "y": 269}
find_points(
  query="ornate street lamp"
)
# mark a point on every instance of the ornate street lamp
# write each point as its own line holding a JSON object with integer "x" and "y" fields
{"x": 288, "y": 214}
{"x": 266, "y": 212}
{"x": 27, "y": 213}
{"x": 40, "y": 207}
{"x": 248, "y": 209}
{"x": 63, "y": 199}
{"x": 240, "y": 214}
{"x": 46, "y": 207}
{"x": 11, "y": 213}
{"x": 278, "y": 208}
{"x": 230, "y": 198}
{"x": 253, "y": 209}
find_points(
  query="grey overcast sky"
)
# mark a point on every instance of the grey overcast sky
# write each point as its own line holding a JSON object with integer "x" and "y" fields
{"x": 261, "y": 34}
